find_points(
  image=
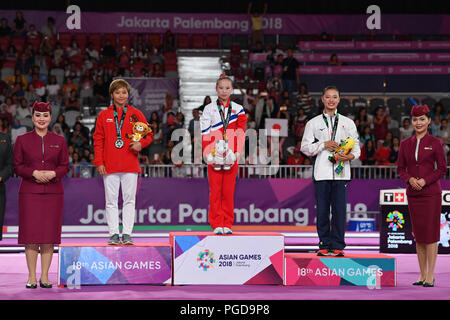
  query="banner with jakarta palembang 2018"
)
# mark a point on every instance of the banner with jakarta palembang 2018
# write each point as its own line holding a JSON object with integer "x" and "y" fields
{"x": 184, "y": 201}
{"x": 75, "y": 19}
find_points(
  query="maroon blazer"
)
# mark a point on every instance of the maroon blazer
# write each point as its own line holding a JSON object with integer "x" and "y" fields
{"x": 430, "y": 154}
{"x": 33, "y": 152}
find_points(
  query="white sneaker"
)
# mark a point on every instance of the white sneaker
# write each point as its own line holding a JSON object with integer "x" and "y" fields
{"x": 227, "y": 230}
{"x": 226, "y": 167}
{"x": 218, "y": 230}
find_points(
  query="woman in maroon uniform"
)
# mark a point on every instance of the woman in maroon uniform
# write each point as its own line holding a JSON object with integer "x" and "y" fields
{"x": 421, "y": 163}
{"x": 42, "y": 160}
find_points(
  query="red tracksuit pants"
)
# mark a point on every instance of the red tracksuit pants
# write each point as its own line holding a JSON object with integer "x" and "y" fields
{"x": 221, "y": 196}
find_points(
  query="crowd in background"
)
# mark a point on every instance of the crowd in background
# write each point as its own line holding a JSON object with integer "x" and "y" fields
{"x": 281, "y": 94}
{"x": 71, "y": 78}
{"x": 380, "y": 133}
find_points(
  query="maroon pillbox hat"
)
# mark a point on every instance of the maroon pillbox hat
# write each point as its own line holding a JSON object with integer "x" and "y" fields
{"x": 42, "y": 106}
{"x": 418, "y": 111}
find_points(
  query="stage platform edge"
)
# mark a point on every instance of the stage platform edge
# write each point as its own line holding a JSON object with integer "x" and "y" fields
{"x": 370, "y": 270}
{"x": 102, "y": 264}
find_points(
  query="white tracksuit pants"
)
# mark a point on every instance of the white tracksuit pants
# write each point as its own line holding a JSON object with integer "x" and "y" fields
{"x": 112, "y": 183}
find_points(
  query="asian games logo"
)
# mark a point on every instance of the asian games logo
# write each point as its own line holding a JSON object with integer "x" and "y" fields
{"x": 205, "y": 259}
{"x": 395, "y": 220}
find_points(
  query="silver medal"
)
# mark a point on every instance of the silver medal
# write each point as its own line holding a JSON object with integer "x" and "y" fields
{"x": 119, "y": 143}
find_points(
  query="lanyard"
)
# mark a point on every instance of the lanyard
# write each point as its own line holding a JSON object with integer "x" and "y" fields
{"x": 335, "y": 125}
{"x": 116, "y": 120}
{"x": 225, "y": 121}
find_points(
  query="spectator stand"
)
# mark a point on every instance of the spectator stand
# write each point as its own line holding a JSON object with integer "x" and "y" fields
{"x": 235, "y": 58}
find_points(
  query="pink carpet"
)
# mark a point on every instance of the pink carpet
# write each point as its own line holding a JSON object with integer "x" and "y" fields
{"x": 13, "y": 276}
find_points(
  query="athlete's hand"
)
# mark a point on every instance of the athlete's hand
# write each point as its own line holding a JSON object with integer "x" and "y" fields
{"x": 101, "y": 170}
{"x": 342, "y": 157}
{"x": 136, "y": 146}
{"x": 330, "y": 145}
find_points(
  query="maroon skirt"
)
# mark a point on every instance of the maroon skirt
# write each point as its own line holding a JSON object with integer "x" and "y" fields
{"x": 40, "y": 218}
{"x": 425, "y": 213}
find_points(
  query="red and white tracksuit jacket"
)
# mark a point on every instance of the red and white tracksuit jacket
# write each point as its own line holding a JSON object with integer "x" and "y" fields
{"x": 222, "y": 183}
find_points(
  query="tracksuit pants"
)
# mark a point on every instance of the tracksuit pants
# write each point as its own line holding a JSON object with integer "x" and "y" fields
{"x": 221, "y": 196}
{"x": 112, "y": 182}
{"x": 331, "y": 194}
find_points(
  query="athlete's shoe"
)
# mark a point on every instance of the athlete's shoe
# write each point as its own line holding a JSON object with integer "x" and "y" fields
{"x": 218, "y": 230}
{"x": 323, "y": 252}
{"x": 126, "y": 239}
{"x": 227, "y": 230}
{"x": 114, "y": 239}
{"x": 336, "y": 253}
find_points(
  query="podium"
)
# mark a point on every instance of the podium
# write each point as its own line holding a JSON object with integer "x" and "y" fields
{"x": 102, "y": 264}
{"x": 240, "y": 258}
{"x": 371, "y": 270}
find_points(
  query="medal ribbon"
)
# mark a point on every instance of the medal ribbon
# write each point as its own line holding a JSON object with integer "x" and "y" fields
{"x": 225, "y": 121}
{"x": 122, "y": 119}
{"x": 335, "y": 125}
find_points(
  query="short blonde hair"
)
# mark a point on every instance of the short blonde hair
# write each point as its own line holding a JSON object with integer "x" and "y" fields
{"x": 119, "y": 83}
